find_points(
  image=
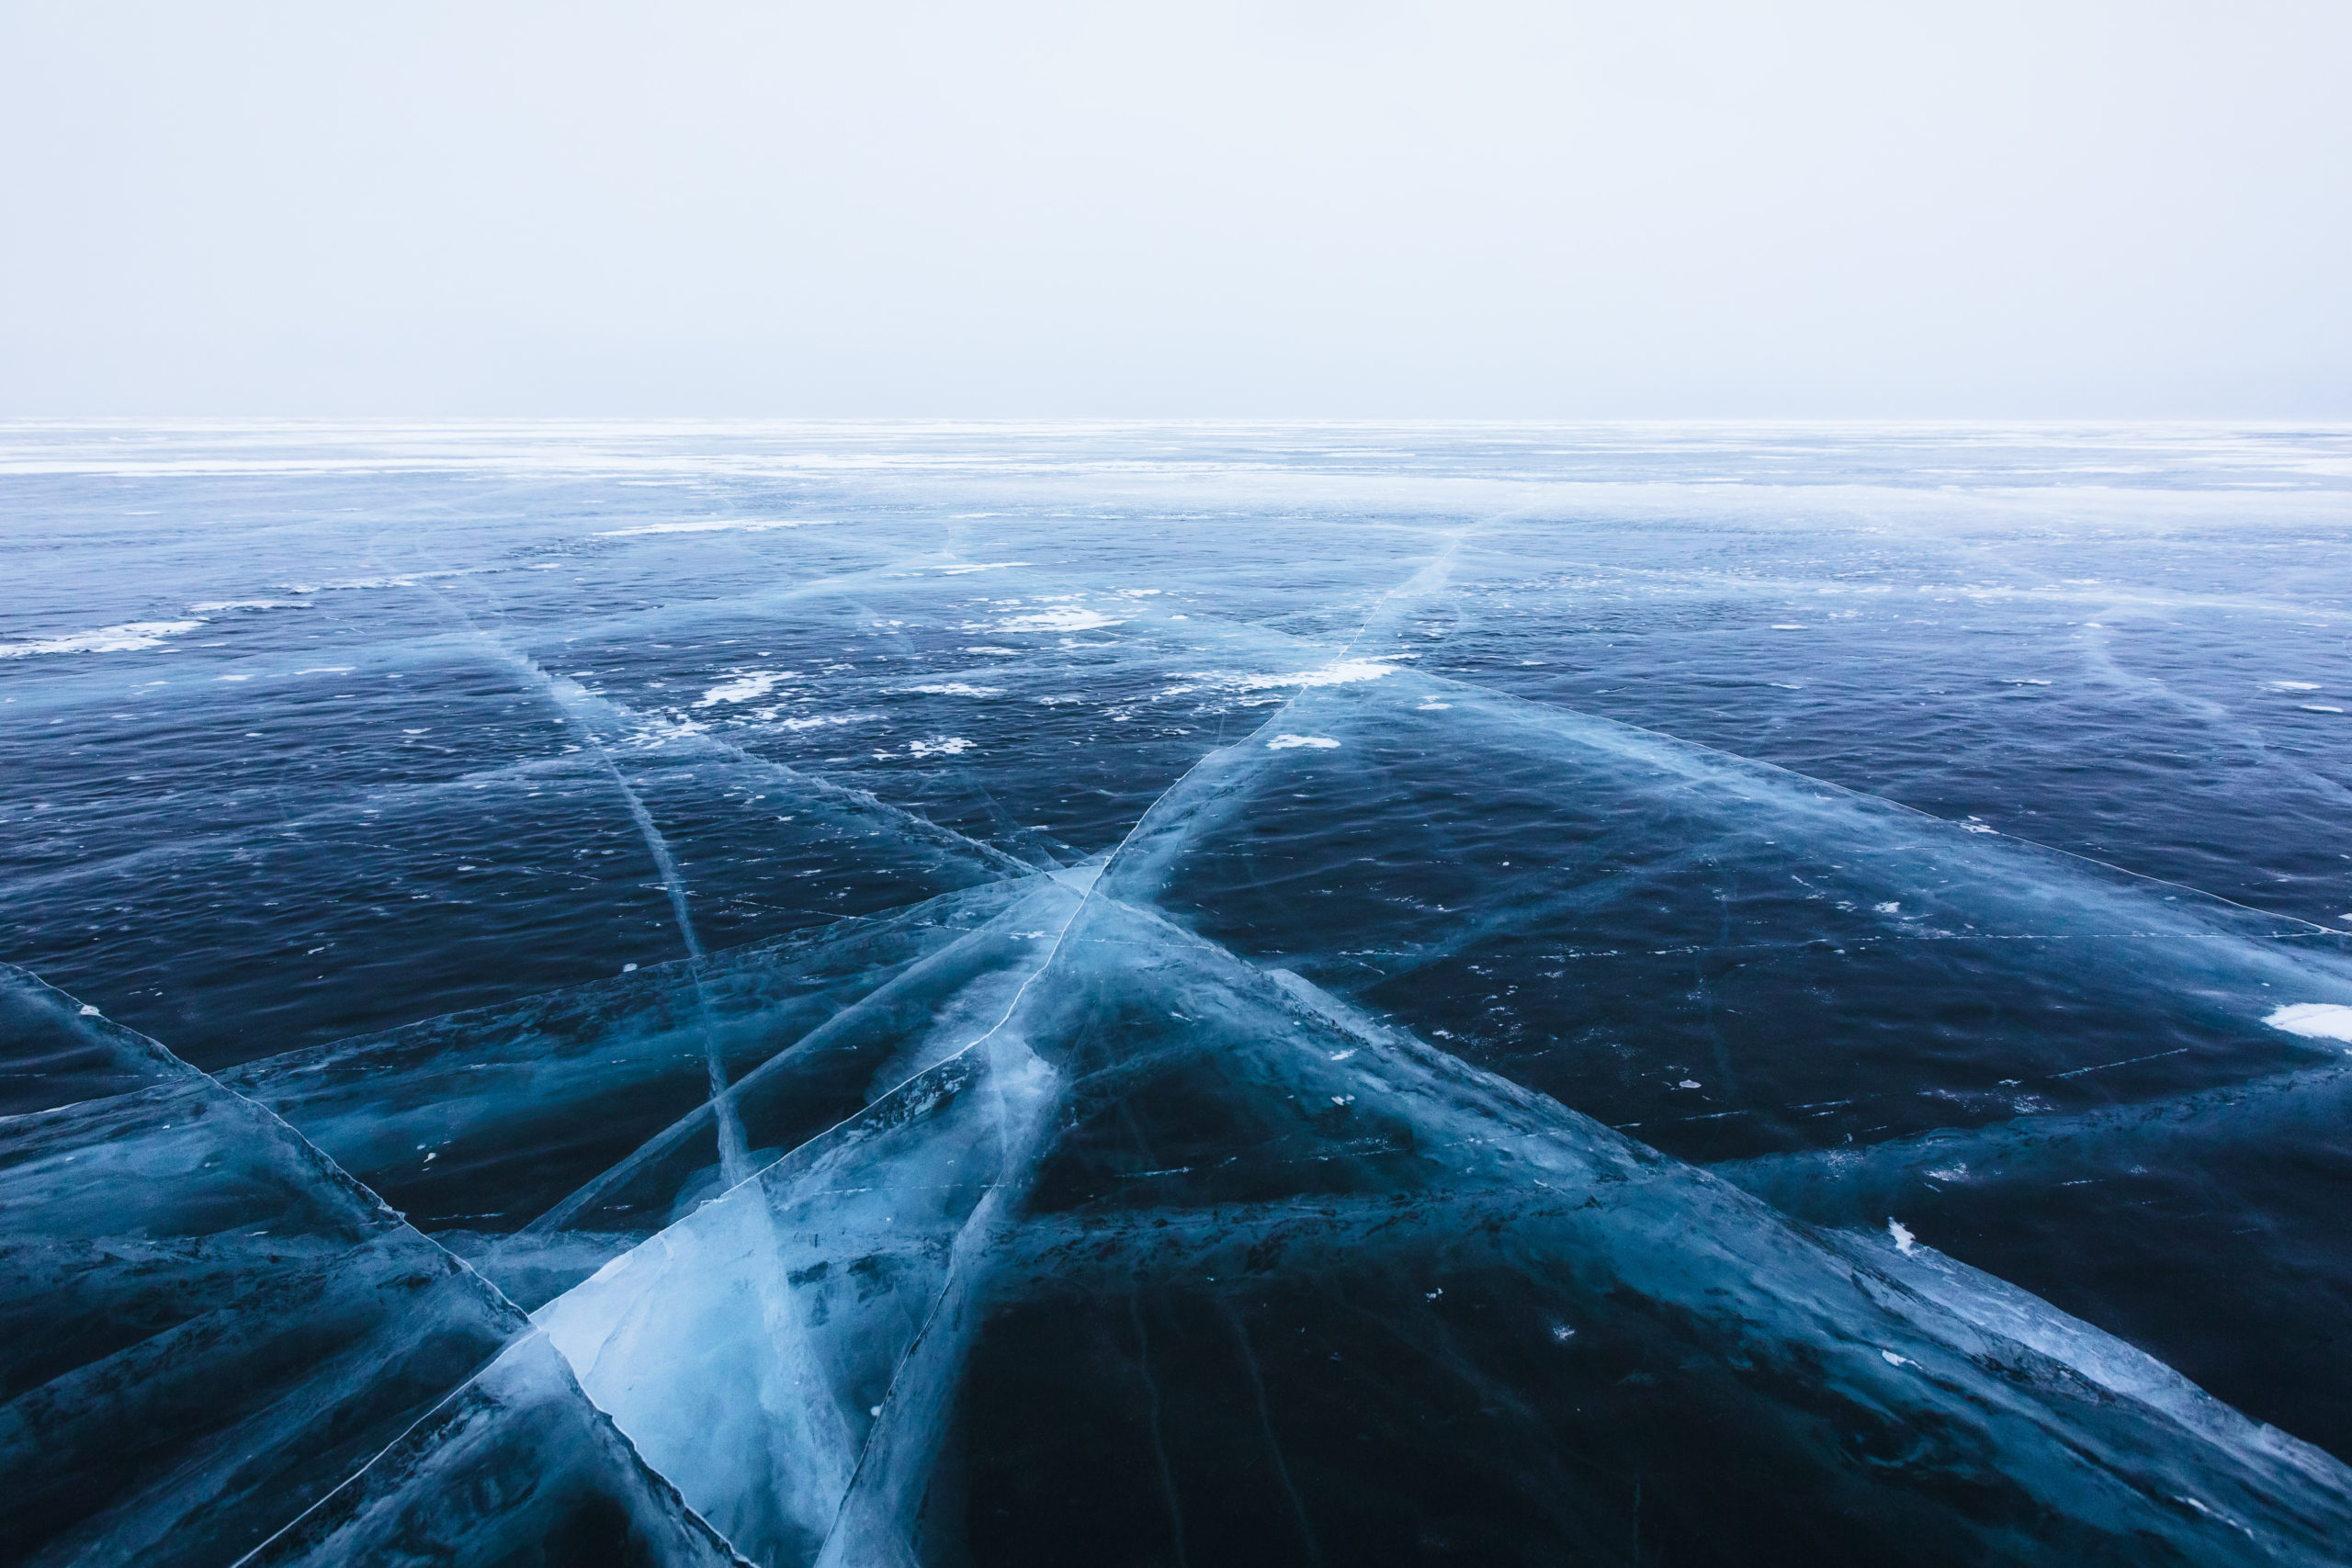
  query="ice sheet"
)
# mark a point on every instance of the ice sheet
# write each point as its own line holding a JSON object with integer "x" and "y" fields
{"x": 1159, "y": 994}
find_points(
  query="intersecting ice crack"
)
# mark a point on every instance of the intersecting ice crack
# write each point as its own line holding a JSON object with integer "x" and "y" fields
{"x": 250, "y": 1296}
{"x": 878, "y": 1492}
{"x": 969, "y": 1129}
{"x": 873, "y": 1497}
{"x": 884, "y": 1490}
{"x": 871, "y": 1523}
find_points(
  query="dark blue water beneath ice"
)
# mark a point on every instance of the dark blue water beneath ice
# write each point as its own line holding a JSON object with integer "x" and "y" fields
{"x": 1939, "y": 834}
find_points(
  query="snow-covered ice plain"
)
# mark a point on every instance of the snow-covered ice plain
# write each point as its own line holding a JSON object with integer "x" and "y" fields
{"x": 1175, "y": 995}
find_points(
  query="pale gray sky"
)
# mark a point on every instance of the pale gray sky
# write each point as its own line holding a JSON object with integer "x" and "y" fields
{"x": 1643, "y": 208}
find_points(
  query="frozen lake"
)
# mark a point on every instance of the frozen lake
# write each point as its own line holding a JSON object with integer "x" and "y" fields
{"x": 1177, "y": 993}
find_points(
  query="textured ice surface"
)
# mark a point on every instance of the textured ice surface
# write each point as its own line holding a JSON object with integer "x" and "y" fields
{"x": 484, "y": 1122}
{"x": 209, "y": 1329}
{"x": 1175, "y": 995}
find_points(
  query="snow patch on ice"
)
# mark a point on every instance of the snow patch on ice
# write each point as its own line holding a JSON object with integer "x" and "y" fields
{"x": 814, "y": 720}
{"x": 657, "y": 730}
{"x": 1056, "y": 621}
{"x": 2314, "y": 1020}
{"x": 954, "y": 745}
{"x": 123, "y": 639}
{"x": 1287, "y": 742}
{"x": 1347, "y": 671}
{"x": 1904, "y": 1242}
{"x": 743, "y": 688}
{"x": 953, "y": 689}
{"x": 714, "y": 526}
{"x": 401, "y": 581}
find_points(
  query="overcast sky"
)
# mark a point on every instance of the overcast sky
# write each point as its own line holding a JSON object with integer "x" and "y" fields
{"x": 1646, "y": 208}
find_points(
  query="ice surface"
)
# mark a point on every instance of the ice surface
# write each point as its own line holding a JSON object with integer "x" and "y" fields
{"x": 1175, "y": 995}
{"x": 785, "y": 1353}
{"x": 209, "y": 1326}
{"x": 1217, "y": 1155}
{"x": 1666, "y": 907}
{"x": 2103, "y": 1212}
